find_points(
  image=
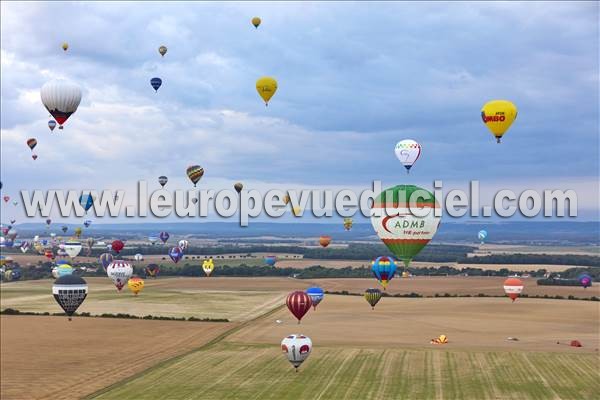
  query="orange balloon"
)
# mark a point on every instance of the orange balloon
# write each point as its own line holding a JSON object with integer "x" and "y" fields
{"x": 324, "y": 241}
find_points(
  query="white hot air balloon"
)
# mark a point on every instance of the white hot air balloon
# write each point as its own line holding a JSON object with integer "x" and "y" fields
{"x": 138, "y": 257}
{"x": 61, "y": 98}
{"x": 183, "y": 244}
{"x": 408, "y": 152}
{"x": 296, "y": 348}
{"x": 72, "y": 248}
{"x": 120, "y": 272}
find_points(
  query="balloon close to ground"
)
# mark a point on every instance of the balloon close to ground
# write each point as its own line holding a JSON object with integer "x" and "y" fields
{"x": 298, "y": 303}
{"x": 384, "y": 269}
{"x": 373, "y": 296}
{"x": 120, "y": 272}
{"x": 513, "y": 288}
{"x": 316, "y": 295}
{"x": 69, "y": 292}
{"x": 135, "y": 284}
{"x": 296, "y": 348}
{"x": 208, "y": 266}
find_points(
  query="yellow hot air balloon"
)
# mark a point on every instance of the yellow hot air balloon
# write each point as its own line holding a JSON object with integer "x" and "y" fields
{"x": 162, "y": 50}
{"x": 135, "y": 284}
{"x": 266, "y": 88}
{"x": 256, "y": 22}
{"x": 208, "y": 266}
{"x": 65, "y": 46}
{"x": 498, "y": 116}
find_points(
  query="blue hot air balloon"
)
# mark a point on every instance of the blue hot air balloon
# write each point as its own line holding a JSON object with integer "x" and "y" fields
{"x": 384, "y": 269}
{"x": 164, "y": 236}
{"x": 316, "y": 295}
{"x": 156, "y": 82}
{"x": 481, "y": 235}
{"x": 87, "y": 223}
{"x": 270, "y": 260}
{"x": 176, "y": 253}
{"x": 585, "y": 280}
{"x": 86, "y": 201}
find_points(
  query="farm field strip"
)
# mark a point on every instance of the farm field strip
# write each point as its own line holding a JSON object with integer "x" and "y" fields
{"x": 240, "y": 371}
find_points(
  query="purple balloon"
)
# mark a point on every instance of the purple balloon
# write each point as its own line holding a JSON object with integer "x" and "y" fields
{"x": 175, "y": 253}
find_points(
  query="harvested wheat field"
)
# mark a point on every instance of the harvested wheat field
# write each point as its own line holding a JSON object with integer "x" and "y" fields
{"x": 470, "y": 323}
{"x": 175, "y": 297}
{"x": 52, "y": 358}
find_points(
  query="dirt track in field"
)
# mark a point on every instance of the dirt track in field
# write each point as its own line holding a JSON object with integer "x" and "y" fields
{"x": 52, "y": 358}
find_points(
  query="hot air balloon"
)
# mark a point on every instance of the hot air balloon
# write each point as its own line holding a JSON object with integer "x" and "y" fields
{"x": 298, "y": 303}
{"x": 585, "y": 280}
{"x": 513, "y": 288}
{"x": 105, "y": 259}
{"x": 296, "y": 348}
{"x": 61, "y": 98}
{"x": 266, "y": 88}
{"x": 481, "y": 235}
{"x": 238, "y": 187}
{"x": 401, "y": 230}
{"x": 48, "y": 222}
{"x": 77, "y": 232}
{"x": 51, "y": 124}
{"x": 49, "y": 254}
{"x": 86, "y": 201}
{"x": 270, "y": 260}
{"x": 34, "y": 156}
{"x": 176, "y": 254}
{"x": 162, "y": 50}
{"x": 195, "y": 173}
{"x": 164, "y": 236}
{"x": 316, "y": 295}
{"x": 135, "y": 284}
{"x": 324, "y": 241}
{"x": 120, "y": 272}
{"x": 87, "y": 223}
{"x": 286, "y": 199}
{"x": 152, "y": 270}
{"x": 138, "y": 257}
{"x": 24, "y": 246}
{"x": 408, "y": 152}
{"x": 155, "y": 83}
{"x": 73, "y": 248}
{"x": 65, "y": 46}
{"x": 183, "y": 244}
{"x": 348, "y": 223}
{"x": 498, "y": 116}
{"x": 89, "y": 242}
{"x": 384, "y": 269}
{"x": 12, "y": 234}
{"x": 162, "y": 180}
{"x": 32, "y": 142}
{"x": 69, "y": 292}
{"x": 62, "y": 270}
{"x": 256, "y": 22}
{"x": 373, "y": 296}
{"x": 6, "y": 199}
{"x": 117, "y": 246}
{"x": 208, "y": 266}
{"x": 152, "y": 239}
{"x": 297, "y": 211}
{"x": 64, "y": 228}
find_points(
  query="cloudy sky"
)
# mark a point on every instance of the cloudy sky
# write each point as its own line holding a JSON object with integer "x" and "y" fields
{"x": 354, "y": 78}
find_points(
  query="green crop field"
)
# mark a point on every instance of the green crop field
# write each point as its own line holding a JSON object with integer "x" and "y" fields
{"x": 238, "y": 371}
